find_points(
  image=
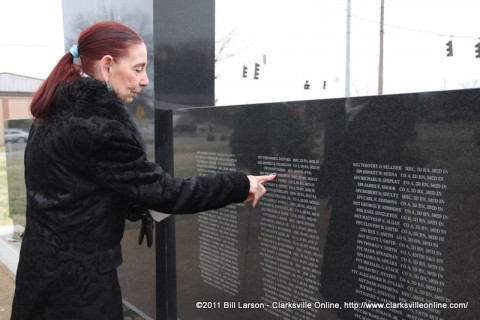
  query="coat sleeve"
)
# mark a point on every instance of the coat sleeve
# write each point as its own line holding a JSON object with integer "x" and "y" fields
{"x": 119, "y": 163}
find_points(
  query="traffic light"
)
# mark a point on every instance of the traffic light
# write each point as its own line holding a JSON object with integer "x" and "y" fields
{"x": 449, "y": 48}
{"x": 324, "y": 85}
{"x": 257, "y": 71}
{"x": 306, "y": 86}
{"x": 477, "y": 50}
{"x": 245, "y": 70}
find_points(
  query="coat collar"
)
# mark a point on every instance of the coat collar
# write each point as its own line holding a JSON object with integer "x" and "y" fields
{"x": 86, "y": 98}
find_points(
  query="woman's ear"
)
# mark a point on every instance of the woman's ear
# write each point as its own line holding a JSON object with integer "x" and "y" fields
{"x": 105, "y": 65}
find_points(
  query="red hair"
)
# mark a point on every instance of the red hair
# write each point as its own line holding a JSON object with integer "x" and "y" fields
{"x": 95, "y": 42}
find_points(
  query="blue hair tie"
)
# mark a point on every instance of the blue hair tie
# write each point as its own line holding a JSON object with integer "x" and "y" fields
{"x": 74, "y": 51}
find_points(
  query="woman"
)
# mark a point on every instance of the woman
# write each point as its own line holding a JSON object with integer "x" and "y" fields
{"x": 85, "y": 165}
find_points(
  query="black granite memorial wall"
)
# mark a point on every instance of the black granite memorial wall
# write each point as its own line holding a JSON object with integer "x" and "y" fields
{"x": 374, "y": 213}
{"x": 374, "y": 202}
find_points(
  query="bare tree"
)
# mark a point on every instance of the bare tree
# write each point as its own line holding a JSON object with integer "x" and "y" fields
{"x": 137, "y": 20}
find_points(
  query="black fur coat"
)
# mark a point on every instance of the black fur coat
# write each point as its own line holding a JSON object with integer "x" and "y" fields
{"x": 84, "y": 164}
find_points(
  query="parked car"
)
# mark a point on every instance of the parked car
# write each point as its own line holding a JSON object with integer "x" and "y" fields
{"x": 15, "y": 135}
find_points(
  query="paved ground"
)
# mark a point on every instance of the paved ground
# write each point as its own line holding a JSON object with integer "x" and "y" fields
{"x": 7, "y": 285}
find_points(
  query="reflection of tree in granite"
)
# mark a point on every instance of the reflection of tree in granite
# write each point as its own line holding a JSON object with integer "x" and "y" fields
{"x": 192, "y": 74}
{"x": 449, "y": 106}
{"x": 450, "y": 145}
{"x": 277, "y": 130}
{"x": 250, "y": 136}
{"x": 476, "y": 136}
{"x": 138, "y": 21}
{"x": 363, "y": 130}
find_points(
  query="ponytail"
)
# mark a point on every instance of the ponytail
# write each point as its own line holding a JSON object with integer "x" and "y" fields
{"x": 65, "y": 70}
{"x": 96, "y": 41}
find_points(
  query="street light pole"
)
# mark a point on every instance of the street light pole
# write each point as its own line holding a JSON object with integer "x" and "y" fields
{"x": 380, "y": 63}
{"x": 347, "y": 62}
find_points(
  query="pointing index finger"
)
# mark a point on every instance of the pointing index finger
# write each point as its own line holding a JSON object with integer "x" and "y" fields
{"x": 266, "y": 178}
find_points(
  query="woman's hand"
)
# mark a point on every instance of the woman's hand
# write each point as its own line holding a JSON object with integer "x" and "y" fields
{"x": 257, "y": 190}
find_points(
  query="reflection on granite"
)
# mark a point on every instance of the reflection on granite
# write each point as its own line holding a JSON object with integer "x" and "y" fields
{"x": 137, "y": 273}
{"x": 375, "y": 202}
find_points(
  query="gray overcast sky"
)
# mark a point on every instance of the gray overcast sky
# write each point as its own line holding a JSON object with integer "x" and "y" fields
{"x": 306, "y": 40}
{"x": 31, "y": 36}
{"x": 301, "y": 40}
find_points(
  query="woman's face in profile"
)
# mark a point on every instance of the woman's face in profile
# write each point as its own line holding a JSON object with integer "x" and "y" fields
{"x": 128, "y": 74}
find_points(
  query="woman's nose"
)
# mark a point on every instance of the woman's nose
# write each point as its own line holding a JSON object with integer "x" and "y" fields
{"x": 144, "y": 81}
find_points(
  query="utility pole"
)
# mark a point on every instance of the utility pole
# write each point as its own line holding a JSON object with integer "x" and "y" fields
{"x": 380, "y": 63}
{"x": 347, "y": 62}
